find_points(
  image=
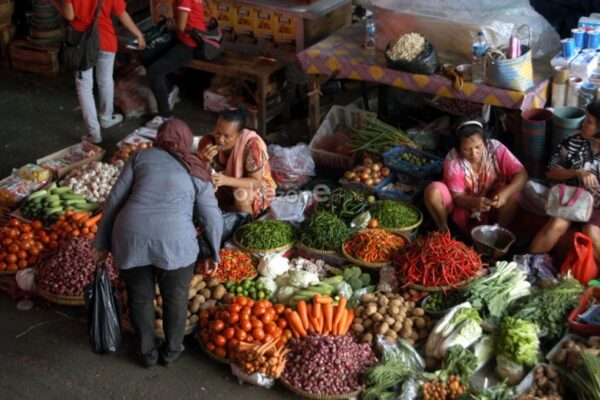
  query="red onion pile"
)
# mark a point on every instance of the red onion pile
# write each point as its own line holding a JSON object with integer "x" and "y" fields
{"x": 70, "y": 269}
{"x": 327, "y": 364}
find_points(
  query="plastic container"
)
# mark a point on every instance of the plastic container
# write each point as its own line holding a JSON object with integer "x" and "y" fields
{"x": 480, "y": 47}
{"x": 337, "y": 117}
{"x": 579, "y": 327}
{"x": 394, "y": 161}
{"x": 385, "y": 194}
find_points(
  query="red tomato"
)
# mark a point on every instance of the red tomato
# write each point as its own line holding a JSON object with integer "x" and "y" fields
{"x": 2, "y": 265}
{"x": 249, "y": 339}
{"x": 282, "y": 323}
{"x": 204, "y": 314}
{"x": 240, "y": 334}
{"x": 229, "y": 333}
{"x": 22, "y": 254}
{"x": 257, "y": 323}
{"x": 267, "y": 338}
{"x": 22, "y": 264}
{"x": 266, "y": 318}
{"x": 279, "y": 308}
{"x": 221, "y": 352}
{"x": 258, "y": 310}
{"x": 241, "y": 300}
{"x": 258, "y": 334}
{"x": 235, "y": 308}
{"x": 246, "y": 326}
{"x": 220, "y": 341}
{"x": 211, "y": 347}
{"x": 217, "y": 325}
{"x": 270, "y": 327}
{"x": 13, "y": 248}
{"x": 277, "y": 332}
{"x": 233, "y": 318}
{"x": 373, "y": 223}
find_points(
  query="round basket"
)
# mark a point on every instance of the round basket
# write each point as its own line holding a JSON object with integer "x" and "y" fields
{"x": 373, "y": 265}
{"x": 126, "y": 325}
{"x": 460, "y": 284}
{"x": 317, "y": 396}
{"x": 312, "y": 250}
{"x": 281, "y": 248}
{"x": 213, "y": 356}
{"x": 407, "y": 230}
{"x": 63, "y": 300}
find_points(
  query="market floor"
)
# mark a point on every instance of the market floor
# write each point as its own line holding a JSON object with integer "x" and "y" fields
{"x": 44, "y": 353}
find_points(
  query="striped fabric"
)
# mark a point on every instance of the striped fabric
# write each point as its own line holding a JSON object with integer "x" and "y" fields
{"x": 147, "y": 219}
{"x": 575, "y": 152}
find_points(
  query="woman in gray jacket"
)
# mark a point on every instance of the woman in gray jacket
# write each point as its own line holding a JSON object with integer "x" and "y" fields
{"x": 148, "y": 225}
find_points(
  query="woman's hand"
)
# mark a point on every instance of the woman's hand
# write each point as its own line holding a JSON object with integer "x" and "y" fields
{"x": 499, "y": 200}
{"x": 99, "y": 256}
{"x": 209, "y": 266}
{"x": 485, "y": 204}
{"x": 141, "y": 42}
{"x": 219, "y": 179}
{"x": 587, "y": 178}
{"x": 208, "y": 153}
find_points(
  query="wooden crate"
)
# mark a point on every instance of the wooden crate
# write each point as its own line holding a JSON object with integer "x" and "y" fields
{"x": 26, "y": 56}
{"x": 7, "y": 34}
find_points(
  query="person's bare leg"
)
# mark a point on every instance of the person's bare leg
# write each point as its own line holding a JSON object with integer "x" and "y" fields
{"x": 549, "y": 235}
{"x": 593, "y": 232}
{"x": 436, "y": 208}
{"x": 507, "y": 213}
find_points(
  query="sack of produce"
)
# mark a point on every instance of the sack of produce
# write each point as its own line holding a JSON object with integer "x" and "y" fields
{"x": 412, "y": 53}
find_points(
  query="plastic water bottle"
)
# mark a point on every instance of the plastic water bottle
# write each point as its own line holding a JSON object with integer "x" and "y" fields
{"x": 480, "y": 48}
{"x": 369, "y": 31}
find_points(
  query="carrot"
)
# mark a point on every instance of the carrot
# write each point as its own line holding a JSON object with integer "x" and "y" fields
{"x": 296, "y": 323}
{"x": 323, "y": 300}
{"x": 92, "y": 221}
{"x": 338, "y": 313}
{"x": 342, "y": 323}
{"x": 328, "y": 317}
{"x": 348, "y": 324}
{"x": 301, "y": 306}
{"x": 80, "y": 216}
{"x": 316, "y": 307}
{"x": 315, "y": 324}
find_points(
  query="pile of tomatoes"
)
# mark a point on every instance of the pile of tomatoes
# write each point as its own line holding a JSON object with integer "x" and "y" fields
{"x": 242, "y": 320}
{"x": 21, "y": 244}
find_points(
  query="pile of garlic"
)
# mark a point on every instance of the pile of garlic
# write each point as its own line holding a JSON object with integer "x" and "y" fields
{"x": 94, "y": 180}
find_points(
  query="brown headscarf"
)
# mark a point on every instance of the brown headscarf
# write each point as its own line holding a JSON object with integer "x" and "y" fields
{"x": 175, "y": 136}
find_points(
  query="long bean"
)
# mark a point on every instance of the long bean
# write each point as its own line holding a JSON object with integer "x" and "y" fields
{"x": 265, "y": 234}
{"x": 375, "y": 136}
{"x": 324, "y": 231}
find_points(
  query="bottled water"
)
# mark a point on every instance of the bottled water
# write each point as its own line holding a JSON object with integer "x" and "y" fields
{"x": 369, "y": 32}
{"x": 480, "y": 48}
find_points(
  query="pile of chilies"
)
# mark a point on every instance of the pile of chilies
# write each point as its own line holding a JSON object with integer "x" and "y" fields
{"x": 436, "y": 260}
{"x": 373, "y": 246}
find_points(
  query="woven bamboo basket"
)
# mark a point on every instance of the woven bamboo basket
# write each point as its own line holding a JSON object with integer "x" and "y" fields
{"x": 278, "y": 249}
{"x": 213, "y": 356}
{"x": 373, "y": 265}
{"x": 318, "y": 252}
{"x": 317, "y": 396}
{"x": 63, "y": 300}
{"x": 460, "y": 284}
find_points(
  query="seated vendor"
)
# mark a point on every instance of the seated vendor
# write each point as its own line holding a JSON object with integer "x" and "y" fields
{"x": 240, "y": 161}
{"x": 480, "y": 174}
{"x": 576, "y": 162}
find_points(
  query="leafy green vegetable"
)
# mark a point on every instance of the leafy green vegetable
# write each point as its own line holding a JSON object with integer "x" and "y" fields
{"x": 458, "y": 361}
{"x": 265, "y": 234}
{"x": 585, "y": 379}
{"x": 345, "y": 203}
{"x": 549, "y": 308}
{"x": 493, "y": 294}
{"x": 382, "y": 378}
{"x": 461, "y": 315}
{"x": 393, "y": 214}
{"x": 324, "y": 231}
{"x": 517, "y": 340}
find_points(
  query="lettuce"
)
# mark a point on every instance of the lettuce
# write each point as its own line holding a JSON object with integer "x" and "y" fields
{"x": 517, "y": 340}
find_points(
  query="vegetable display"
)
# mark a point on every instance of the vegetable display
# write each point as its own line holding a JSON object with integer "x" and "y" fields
{"x": 48, "y": 204}
{"x": 242, "y": 319}
{"x": 435, "y": 260}
{"x": 369, "y": 173}
{"x": 71, "y": 269}
{"x": 264, "y": 234}
{"x": 343, "y": 202}
{"x": 390, "y": 315}
{"x": 549, "y": 307}
{"x": 253, "y": 289}
{"x": 320, "y": 317}
{"x": 327, "y": 365}
{"x": 94, "y": 180}
{"x": 324, "y": 231}
{"x": 393, "y": 214}
{"x": 517, "y": 340}
{"x": 438, "y": 390}
{"x": 546, "y": 384}
{"x": 570, "y": 352}
{"x": 75, "y": 224}
{"x": 585, "y": 379}
{"x": 21, "y": 244}
{"x": 376, "y": 137}
{"x": 373, "y": 246}
{"x": 235, "y": 266}
{"x": 492, "y": 295}
{"x": 265, "y": 358}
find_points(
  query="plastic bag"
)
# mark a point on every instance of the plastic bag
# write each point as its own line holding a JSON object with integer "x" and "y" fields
{"x": 104, "y": 313}
{"x": 290, "y": 208}
{"x": 509, "y": 370}
{"x": 256, "y": 378}
{"x": 450, "y": 25}
{"x": 273, "y": 265}
{"x": 231, "y": 221}
{"x": 400, "y": 351}
{"x": 537, "y": 267}
{"x": 25, "y": 279}
{"x": 426, "y": 63}
{"x": 534, "y": 197}
{"x": 291, "y": 167}
{"x": 580, "y": 260}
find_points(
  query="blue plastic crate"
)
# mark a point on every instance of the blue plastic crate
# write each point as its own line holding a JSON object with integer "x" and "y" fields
{"x": 406, "y": 197}
{"x": 392, "y": 159}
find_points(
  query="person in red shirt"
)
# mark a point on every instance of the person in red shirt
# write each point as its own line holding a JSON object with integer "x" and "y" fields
{"x": 169, "y": 56}
{"x": 81, "y": 14}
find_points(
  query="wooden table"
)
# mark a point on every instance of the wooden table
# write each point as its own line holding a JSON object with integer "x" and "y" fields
{"x": 257, "y": 69}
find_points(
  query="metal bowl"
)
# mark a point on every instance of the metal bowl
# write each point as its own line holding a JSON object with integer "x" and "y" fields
{"x": 492, "y": 240}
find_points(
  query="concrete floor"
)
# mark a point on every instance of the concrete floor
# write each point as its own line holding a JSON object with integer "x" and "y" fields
{"x": 44, "y": 353}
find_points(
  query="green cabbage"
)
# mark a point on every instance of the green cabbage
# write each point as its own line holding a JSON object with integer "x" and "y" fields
{"x": 517, "y": 340}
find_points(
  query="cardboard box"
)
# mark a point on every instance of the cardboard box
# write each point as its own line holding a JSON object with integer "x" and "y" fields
{"x": 65, "y": 160}
{"x": 214, "y": 102}
{"x": 133, "y": 138}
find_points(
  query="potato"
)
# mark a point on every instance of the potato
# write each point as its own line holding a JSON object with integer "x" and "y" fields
{"x": 420, "y": 323}
{"x": 397, "y": 326}
{"x": 188, "y": 314}
{"x": 396, "y": 303}
{"x": 367, "y": 338}
{"x": 191, "y": 293}
{"x": 423, "y": 334}
{"x": 228, "y": 298}
{"x": 406, "y": 332}
{"x": 213, "y": 282}
{"x": 418, "y": 312}
{"x": 195, "y": 279}
{"x": 367, "y": 298}
{"x": 382, "y": 310}
{"x": 392, "y": 334}
{"x": 371, "y": 309}
{"x": 358, "y": 321}
{"x": 414, "y": 336}
{"x": 196, "y": 302}
{"x": 560, "y": 357}
{"x": 360, "y": 310}
{"x": 367, "y": 323}
{"x": 408, "y": 322}
{"x": 218, "y": 292}
{"x": 390, "y": 339}
{"x": 207, "y": 304}
{"x": 389, "y": 320}
{"x": 377, "y": 317}
{"x": 193, "y": 319}
{"x": 383, "y": 301}
{"x": 200, "y": 285}
{"x": 382, "y": 328}
{"x": 358, "y": 328}
{"x": 206, "y": 293}
{"x": 394, "y": 310}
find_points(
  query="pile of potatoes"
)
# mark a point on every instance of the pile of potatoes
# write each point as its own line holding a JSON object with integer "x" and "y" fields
{"x": 546, "y": 385}
{"x": 202, "y": 295}
{"x": 569, "y": 355}
{"x": 390, "y": 315}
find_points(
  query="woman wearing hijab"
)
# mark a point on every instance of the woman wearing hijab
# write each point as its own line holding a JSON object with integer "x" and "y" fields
{"x": 480, "y": 174}
{"x": 240, "y": 160}
{"x": 148, "y": 225}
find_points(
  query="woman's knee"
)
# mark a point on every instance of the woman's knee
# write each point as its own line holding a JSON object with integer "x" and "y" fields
{"x": 592, "y": 231}
{"x": 558, "y": 226}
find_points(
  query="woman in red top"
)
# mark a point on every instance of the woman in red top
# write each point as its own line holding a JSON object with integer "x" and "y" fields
{"x": 81, "y": 14}
{"x": 170, "y": 56}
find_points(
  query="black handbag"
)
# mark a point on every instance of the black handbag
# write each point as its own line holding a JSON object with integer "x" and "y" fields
{"x": 80, "y": 49}
{"x": 209, "y": 42}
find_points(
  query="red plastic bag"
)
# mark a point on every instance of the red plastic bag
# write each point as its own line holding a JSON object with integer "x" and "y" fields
{"x": 580, "y": 260}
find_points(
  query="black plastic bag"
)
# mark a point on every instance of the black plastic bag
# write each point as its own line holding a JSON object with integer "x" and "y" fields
{"x": 158, "y": 35}
{"x": 426, "y": 63}
{"x": 209, "y": 41}
{"x": 231, "y": 221}
{"x": 104, "y": 313}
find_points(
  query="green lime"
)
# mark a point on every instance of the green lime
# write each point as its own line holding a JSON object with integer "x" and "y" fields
{"x": 229, "y": 284}
{"x": 246, "y": 283}
{"x": 245, "y": 293}
{"x": 260, "y": 286}
{"x": 261, "y": 294}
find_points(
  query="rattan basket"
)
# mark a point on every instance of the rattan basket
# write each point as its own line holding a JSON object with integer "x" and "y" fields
{"x": 278, "y": 249}
{"x": 460, "y": 284}
{"x": 213, "y": 356}
{"x": 63, "y": 300}
{"x": 312, "y": 250}
{"x": 317, "y": 396}
{"x": 8, "y": 272}
{"x": 373, "y": 265}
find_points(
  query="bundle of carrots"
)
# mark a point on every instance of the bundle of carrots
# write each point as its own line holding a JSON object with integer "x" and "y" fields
{"x": 320, "y": 317}
{"x": 74, "y": 224}
{"x": 374, "y": 246}
{"x": 266, "y": 358}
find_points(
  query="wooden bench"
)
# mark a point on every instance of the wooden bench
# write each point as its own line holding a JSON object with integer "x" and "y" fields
{"x": 249, "y": 67}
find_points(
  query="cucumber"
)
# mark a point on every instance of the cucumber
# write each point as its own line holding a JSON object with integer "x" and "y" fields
{"x": 52, "y": 186}
{"x": 72, "y": 196}
{"x": 72, "y": 202}
{"x": 52, "y": 197}
{"x": 86, "y": 206}
{"x": 61, "y": 190}
{"x": 37, "y": 195}
{"x": 53, "y": 204}
{"x": 52, "y": 210}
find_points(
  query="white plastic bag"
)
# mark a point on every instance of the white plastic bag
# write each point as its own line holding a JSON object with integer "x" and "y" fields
{"x": 290, "y": 208}
{"x": 291, "y": 167}
{"x": 256, "y": 378}
{"x": 273, "y": 265}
